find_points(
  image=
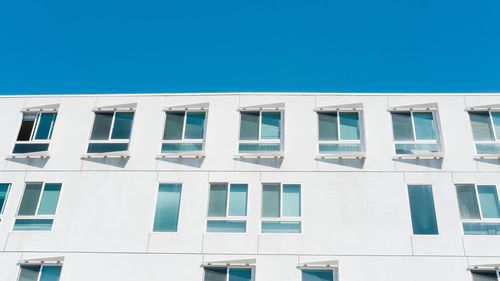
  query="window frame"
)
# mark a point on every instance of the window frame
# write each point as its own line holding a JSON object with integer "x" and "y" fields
{"x": 340, "y": 141}
{"x": 227, "y": 217}
{"x": 42, "y": 265}
{"x": 183, "y": 139}
{"x": 437, "y": 131}
{"x": 481, "y": 218}
{"x": 282, "y": 218}
{"x": 34, "y": 130}
{"x": 2, "y": 208}
{"x": 334, "y": 271}
{"x": 496, "y": 139}
{"x": 260, "y": 140}
{"x": 109, "y": 140}
{"x": 231, "y": 266}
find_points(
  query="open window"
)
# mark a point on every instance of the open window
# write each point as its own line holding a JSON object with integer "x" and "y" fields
{"x": 485, "y": 123}
{"x": 38, "y": 207}
{"x": 227, "y": 208}
{"x": 479, "y": 209}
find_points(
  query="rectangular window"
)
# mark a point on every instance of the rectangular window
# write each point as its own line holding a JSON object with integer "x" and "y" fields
{"x": 184, "y": 131}
{"x": 111, "y": 131}
{"x": 281, "y": 208}
{"x": 167, "y": 207}
{"x": 228, "y": 274}
{"x": 339, "y": 132}
{"x": 415, "y": 132}
{"x": 423, "y": 214}
{"x": 227, "y": 208}
{"x": 39, "y": 273}
{"x": 486, "y": 131}
{"x": 38, "y": 207}
{"x": 260, "y": 131}
{"x": 479, "y": 209}
{"x": 319, "y": 275}
{"x": 35, "y": 132}
{"x": 4, "y": 193}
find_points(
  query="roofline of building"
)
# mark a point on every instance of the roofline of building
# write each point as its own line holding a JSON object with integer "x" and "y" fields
{"x": 246, "y": 94}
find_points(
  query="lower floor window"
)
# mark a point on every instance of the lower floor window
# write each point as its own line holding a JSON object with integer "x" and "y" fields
{"x": 318, "y": 275}
{"x": 39, "y": 273}
{"x": 228, "y": 274}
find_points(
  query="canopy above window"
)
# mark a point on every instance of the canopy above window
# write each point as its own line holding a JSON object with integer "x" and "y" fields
{"x": 342, "y": 107}
{"x": 415, "y": 107}
{"x": 48, "y": 261}
{"x": 239, "y": 263}
{"x": 48, "y": 107}
{"x": 271, "y": 106}
{"x": 127, "y": 106}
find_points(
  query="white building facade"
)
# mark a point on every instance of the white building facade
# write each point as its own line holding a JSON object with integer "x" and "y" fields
{"x": 250, "y": 187}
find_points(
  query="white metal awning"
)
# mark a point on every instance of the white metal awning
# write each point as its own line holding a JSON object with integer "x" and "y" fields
{"x": 50, "y": 260}
{"x": 424, "y": 106}
{"x": 127, "y": 106}
{"x": 195, "y": 106}
{"x": 488, "y": 267}
{"x": 43, "y": 108}
{"x": 344, "y": 107}
{"x": 271, "y": 106}
{"x": 484, "y": 107}
{"x": 319, "y": 264}
{"x": 242, "y": 262}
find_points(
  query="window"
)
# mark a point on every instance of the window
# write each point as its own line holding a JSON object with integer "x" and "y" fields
{"x": 415, "y": 132}
{"x": 423, "y": 215}
{"x": 485, "y": 275}
{"x": 339, "y": 132}
{"x": 228, "y": 274}
{"x": 479, "y": 209}
{"x": 281, "y": 208}
{"x": 184, "y": 131}
{"x": 111, "y": 131}
{"x": 4, "y": 192}
{"x": 227, "y": 208}
{"x": 38, "y": 207}
{"x": 167, "y": 207}
{"x": 319, "y": 275}
{"x": 35, "y": 132}
{"x": 260, "y": 131}
{"x": 39, "y": 273}
{"x": 486, "y": 131}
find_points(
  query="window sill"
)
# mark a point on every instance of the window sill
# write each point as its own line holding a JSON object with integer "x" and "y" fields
{"x": 122, "y": 155}
{"x": 347, "y": 156}
{"x": 180, "y": 155}
{"x": 264, "y": 155}
{"x": 423, "y": 156}
{"x": 487, "y": 156}
{"x": 29, "y": 155}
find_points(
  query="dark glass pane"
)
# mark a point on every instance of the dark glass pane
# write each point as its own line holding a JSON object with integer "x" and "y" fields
{"x": 481, "y": 126}
{"x": 215, "y": 273}
{"x": 102, "y": 125}
{"x": 467, "y": 202}
{"x": 327, "y": 122}
{"x": 26, "y": 127}
{"x": 173, "y": 126}
{"x": 106, "y": 147}
{"x": 195, "y": 122}
{"x": 29, "y": 273}
{"x": 30, "y": 147}
{"x": 4, "y": 189}
{"x": 423, "y": 215}
{"x": 401, "y": 126}
{"x": 33, "y": 225}
{"x": 218, "y": 200}
{"x": 249, "y": 129}
{"x": 45, "y": 126}
{"x": 123, "y": 125}
{"x": 484, "y": 275}
{"x": 30, "y": 199}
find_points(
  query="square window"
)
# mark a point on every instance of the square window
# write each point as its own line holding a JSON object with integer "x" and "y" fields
{"x": 486, "y": 131}
{"x": 184, "y": 131}
{"x": 339, "y": 132}
{"x": 479, "y": 209}
{"x": 260, "y": 131}
{"x": 38, "y": 207}
{"x": 227, "y": 208}
{"x": 35, "y": 132}
{"x": 281, "y": 208}
{"x": 167, "y": 207}
{"x": 415, "y": 132}
{"x": 111, "y": 131}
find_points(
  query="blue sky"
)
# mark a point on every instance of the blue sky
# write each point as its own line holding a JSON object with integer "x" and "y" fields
{"x": 61, "y": 46}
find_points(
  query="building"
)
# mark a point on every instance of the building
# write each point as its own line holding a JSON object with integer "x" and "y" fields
{"x": 250, "y": 186}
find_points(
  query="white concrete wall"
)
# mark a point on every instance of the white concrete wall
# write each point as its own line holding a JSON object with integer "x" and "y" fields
{"x": 354, "y": 212}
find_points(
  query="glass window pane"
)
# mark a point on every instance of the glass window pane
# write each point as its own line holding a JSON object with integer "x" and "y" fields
{"x": 4, "y": 189}
{"x": 249, "y": 129}
{"x": 50, "y": 273}
{"x": 488, "y": 148}
{"x": 106, "y": 147}
{"x": 423, "y": 215}
{"x": 291, "y": 200}
{"x": 180, "y": 147}
{"x": 215, "y": 273}
{"x": 481, "y": 228}
{"x": 496, "y": 122}
{"x": 45, "y": 126}
{"x": 226, "y": 226}
{"x": 26, "y": 127}
{"x": 270, "y": 125}
{"x": 240, "y": 274}
{"x": 194, "y": 125}
{"x": 317, "y": 275}
{"x": 467, "y": 202}
{"x": 167, "y": 208}
{"x": 488, "y": 199}
{"x": 481, "y": 126}
{"x": 30, "y": 147}
{"x": 349, "y": 126}
{"x": 258, "y": 147}
{"x": 33, "y": 225}
{"x": 327, "y": 122}
{"x": 30, "y": 199}
{"x": 50, "y": 197}
{"x": 123, "y": 125}
{"x": 401, "y": 126}
{"x": 416, "y": 148}
{"x": 29, "y": 273}
{"x": 271, "y": 201}
{"x": 173, "y": 126}
{"x": 102, "y": 125}
{"x": 281, "y": 227}
{"x": 484, "y": 276}
{"x": 424, "y": 126}
{"x": 238, "y": 200}
{"x": 218, "y": 200}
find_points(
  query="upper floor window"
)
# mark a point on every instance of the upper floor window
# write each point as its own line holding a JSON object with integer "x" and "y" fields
{"x": 339, "y": 132}
{"x": 228, "y": 273}
{"x": 40, "y": 272}
{"x": 423, "y": 214}
{"x": 281, "y": 208}
{"x": 479, "y": 209}
{"x": 415, "y": 132}
{"x": 319, "y": 274}
{"x": 184, "y": 131}
{"x": 111, "y": 131}
{"x": 227, "y": 207}
{"x": 35, "y": 132}
{"x": 4, "y": 192}
{"x": 167, "y": 207}
{"x": 38, "y": 207}
{"x": 261, "y": 131}
{"x": 486, "y": 131}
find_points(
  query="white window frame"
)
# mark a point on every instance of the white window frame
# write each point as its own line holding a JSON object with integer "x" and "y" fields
{"x": 282, "y": 218}
{"x": 227, "y": 217}
{"x": 39, "y": 271}
{"x": 495, "y": 140}
{"x": 110, "y": 140}
{"x": 2, "y": 208}
{"x": 231, "y": 266}
{"x": 34, "y": 130}
{"x": 260, "y": 140}
{"x": 481, "y": 219}
{"x": 437, "y": 131}
{"x": 183, "y": 139}
{"x": 340, "y": 141}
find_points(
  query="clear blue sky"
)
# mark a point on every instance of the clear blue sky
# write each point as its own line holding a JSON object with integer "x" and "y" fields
{"x": 111, "y": 46}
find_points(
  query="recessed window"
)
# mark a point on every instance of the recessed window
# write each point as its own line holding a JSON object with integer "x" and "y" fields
{"x": 423, "y": 214}
{"x": 281, "y": 208}
{"x": 485, "y": 275}
{"x": 184, "y": 131}
{"x": 319, "y": 275}
{"x": 339, "y": 132}
{"x": 111, "y": 131}
{"x": 227, "y": 207}
{"x": 486, "y": 131}
{"x": 39, "y": 273}
{"x": 35, "y": 132}
{"x": 38, "y": 207}
{"x": 4, "y": 193}
{"x": 167, "y": 207}
{"x": 415, "y": 132}
{"x": 228, "y": 274}
{"x": 260, "y": 131}
{"x": 479, "y": 209}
